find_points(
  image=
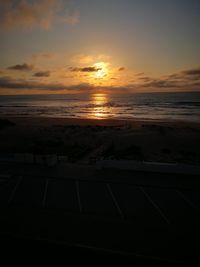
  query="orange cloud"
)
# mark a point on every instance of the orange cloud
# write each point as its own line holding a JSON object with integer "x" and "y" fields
{"x": 43, "y": 55}
{"x": 82, "y": 59}
{"x": 42, "y": 74}
{"x": 87, "y": 59}
{"x": 187, "y": 80}
{"x": 38, "y": 13}
{"x": 121, "y": 69}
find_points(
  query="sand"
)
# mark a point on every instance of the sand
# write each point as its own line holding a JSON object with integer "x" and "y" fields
{"x": 162, "y": 141}
{"x": 49, "y": 121}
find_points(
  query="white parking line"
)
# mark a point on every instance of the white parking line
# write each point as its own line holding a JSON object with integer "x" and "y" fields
{"x": 45, "y": 193}
{"x": 115, "y": 201}
{"x": 14, "y": 190}
{"x": 78, "y": 196}
{"x": 155, "y": 205}
{"x": 194, "y": 206}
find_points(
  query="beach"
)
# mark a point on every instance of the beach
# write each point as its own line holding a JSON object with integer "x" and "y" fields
{"x": 88, "y": 139}
{"x": 114, "y": 211}
{"x": 100, "y": 131}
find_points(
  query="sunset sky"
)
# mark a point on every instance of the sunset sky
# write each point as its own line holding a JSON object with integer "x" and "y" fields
{"x": 72, "y": 46}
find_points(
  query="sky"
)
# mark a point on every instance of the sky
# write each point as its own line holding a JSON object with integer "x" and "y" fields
{"x": 73, "y": 46}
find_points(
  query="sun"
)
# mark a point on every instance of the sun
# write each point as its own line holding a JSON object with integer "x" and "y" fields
{"x": 102, "y": 71}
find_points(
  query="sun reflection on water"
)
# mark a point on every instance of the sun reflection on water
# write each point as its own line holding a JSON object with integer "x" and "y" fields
{"x": 99, "y": 109}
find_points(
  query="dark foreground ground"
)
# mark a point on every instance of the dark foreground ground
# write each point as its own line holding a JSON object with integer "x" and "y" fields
{"x": 86, "y": 214}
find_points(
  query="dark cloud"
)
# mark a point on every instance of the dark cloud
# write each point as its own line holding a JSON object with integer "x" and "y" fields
{"x": 7, "y": 82}
{"x": 121, "y": 69}
{"x": 192, "y": 72}
{"x": 145, "y": 79}
{"x": 140, "y": 74}
{"x": 90, "y": 69}
{"x": 10, "y": 83}
{"x": 42, "y": 74}
{"x": 23, "y": 67}
{"x": 189, "y": 78}
{"x": 161, "y": 84}
{"x": 175, "y": 77}
{"x": 4, "y": 81}
{"x": 197, "y": 84}
{"x": 85, "y": 69}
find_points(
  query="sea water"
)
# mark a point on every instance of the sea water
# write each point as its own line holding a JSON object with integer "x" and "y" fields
{"x": 143, "y": 106}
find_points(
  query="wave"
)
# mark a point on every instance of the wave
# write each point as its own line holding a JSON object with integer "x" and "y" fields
{"x": 179, "y": 106}
{"x": 192, "y": 103}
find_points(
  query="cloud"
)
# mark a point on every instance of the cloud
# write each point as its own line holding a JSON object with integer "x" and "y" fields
{"x": 188, "y": 78}
{"x": 103, "y": 58}
{"x": 43, "y": 55}
{"x": 38, "y": 13}
{"x": 42, "y": 74}
{"x": 82, "y": 59}
{"x": 13, "y": 84}
{"x": 145, "y": 79}
{"x": 85, "y": 69}
{"x": 8, "y": 82}
{"x": 88, "y": 59}
{"x": 140, "y": 74}
{"x": 192, "y": 72}
{"x": 161, "y": 84}
{"x": 121, "y": 69}
{"x": 23, "y": 67}
{"x": 180, "y": 81}
{"x": 72, "y": 19}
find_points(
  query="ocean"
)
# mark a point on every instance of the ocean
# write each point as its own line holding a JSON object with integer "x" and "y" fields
{"x": 144, "y": 106}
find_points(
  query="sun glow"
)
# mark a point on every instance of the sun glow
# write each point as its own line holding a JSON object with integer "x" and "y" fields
{"x": 102, "y": 70}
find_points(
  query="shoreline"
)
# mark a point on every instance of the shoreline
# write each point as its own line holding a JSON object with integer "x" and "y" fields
{"x": 47, "y": 121}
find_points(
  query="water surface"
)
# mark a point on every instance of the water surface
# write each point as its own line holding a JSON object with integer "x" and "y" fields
{"x": 176, "y": 106}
